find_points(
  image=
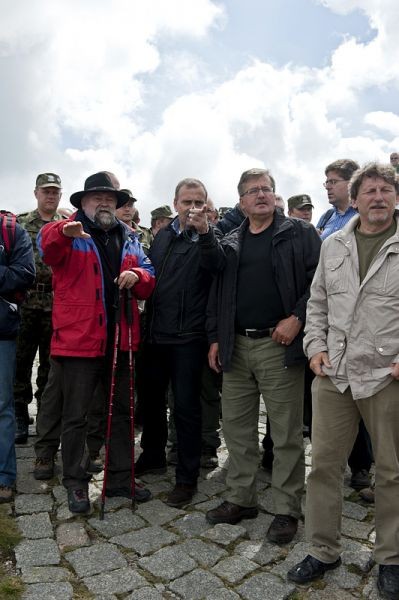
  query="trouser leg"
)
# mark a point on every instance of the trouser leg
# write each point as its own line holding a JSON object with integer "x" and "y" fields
{"x": 335, "y": 424}
{"x": 361, "y": 456}
{"x": 210, "y": 407}
{"x": 44, "y": 355}
{"x": 27, "y": 345}
{"x": 186, "y": 370}
{"x": 8, "y": 463}
{"x": 381, "y": 417}
{"x": 48, "y": 422}
{"x": 79, "y": 379}
{"x": 240, "y": 406}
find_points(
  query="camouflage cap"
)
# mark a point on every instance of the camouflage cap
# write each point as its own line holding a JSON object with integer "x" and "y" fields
{"x": 162, "y": 212}
{"x": 48, "y": 180}
{"x": 130, "y": 194}
{"x": 299, "y": 201}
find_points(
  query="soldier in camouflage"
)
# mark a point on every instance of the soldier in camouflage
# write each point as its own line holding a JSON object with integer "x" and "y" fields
{"x": 35, "y": 331}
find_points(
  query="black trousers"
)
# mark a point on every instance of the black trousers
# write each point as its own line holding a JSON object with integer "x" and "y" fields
{"x": 182, "y": 365}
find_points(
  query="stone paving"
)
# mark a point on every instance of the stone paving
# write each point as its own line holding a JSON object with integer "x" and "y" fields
{"x": 158, "y": 552}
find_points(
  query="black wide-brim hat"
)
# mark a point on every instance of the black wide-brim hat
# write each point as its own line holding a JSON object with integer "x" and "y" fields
{"x": 99, "y": 182}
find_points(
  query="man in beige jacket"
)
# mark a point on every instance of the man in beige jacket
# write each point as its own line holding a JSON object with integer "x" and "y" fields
{"x": 352, "y": 341}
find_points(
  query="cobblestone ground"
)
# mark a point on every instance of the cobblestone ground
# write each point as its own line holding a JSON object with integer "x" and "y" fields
{"x": 160, "y": 552}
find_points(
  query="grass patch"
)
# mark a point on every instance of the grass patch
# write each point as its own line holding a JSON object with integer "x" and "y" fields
{"x": 11, "y": 587}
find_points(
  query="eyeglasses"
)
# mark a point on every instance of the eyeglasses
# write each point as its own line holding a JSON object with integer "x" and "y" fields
{"x": 256, "y": 190}
{"x": 328, "y": 182}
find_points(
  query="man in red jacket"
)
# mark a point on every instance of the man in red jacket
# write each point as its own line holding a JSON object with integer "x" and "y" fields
{"x": 94, "y": 257}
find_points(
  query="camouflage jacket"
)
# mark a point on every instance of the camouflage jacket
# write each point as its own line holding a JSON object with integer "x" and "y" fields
{"x": 40, "y": 295}
{"x": 145, "y": 237}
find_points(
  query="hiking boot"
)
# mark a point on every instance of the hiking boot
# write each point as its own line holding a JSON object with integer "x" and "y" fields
{"x": 21, "y": 423}
{"x": 141, "y": 494}
{"x": 181, "y": 495}
{"x": 209, "y": 458}
{"x": 282, "y": 529}
{"x": 6, "y": 493}
{"x": 388, "y": 581}
{"x": 360, "y": 479}
{"x": 230, "y": 513}
{"x": 78, "y": 500}
{"x": 310, "y": 569}
{"x": 142, "y": 467}
{"x": 44, "y": 468}
{"x": 95, "y": 465}
{"x": 367, "y": 494}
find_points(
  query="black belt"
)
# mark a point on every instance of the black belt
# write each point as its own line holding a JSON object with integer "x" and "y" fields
{"x": 256, "y": 333}
{"x": 42, "y": 287}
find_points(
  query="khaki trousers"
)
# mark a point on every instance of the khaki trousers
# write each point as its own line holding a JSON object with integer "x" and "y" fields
{"x": 336, "y": 418}
{"x": 258, "y": 369}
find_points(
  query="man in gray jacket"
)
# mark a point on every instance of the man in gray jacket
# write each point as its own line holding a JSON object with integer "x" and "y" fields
{"x": 352, "y": 341}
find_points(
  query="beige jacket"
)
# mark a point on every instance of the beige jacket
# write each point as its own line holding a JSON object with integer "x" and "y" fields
{"x": 358, "y": 325}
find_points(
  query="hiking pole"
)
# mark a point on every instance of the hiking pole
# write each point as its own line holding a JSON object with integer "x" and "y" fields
{"x": 111, "y": 401}
{"x": 129, "y": 321}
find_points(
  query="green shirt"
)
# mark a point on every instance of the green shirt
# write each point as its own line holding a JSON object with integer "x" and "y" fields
{"x": 368, "y": 246}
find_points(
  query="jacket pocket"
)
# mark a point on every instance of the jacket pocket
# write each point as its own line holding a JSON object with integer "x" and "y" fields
{"x": 9, "y": 318}
{"x": 336, "y": 274}
{"x": 336, "y": 343}
{"x": 385, "y": 351}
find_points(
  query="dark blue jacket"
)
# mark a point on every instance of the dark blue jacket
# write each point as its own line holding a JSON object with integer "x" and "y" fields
{"x": 17, "y": 274}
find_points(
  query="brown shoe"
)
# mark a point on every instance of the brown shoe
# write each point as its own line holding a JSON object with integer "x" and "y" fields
{"x": 181, "y": 495}
{"x": 367, "y": 494}
{"x": 6, "y": 493}
{"x": 44, "y": 468}
{"x": 282, "y": 529}
{"x": 230, "y": 513}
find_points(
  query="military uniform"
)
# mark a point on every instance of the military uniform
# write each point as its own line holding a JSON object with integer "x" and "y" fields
{"x": 35, "y": 331}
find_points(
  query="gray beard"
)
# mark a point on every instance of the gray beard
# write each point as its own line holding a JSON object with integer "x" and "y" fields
{"x": 104, "y": 219}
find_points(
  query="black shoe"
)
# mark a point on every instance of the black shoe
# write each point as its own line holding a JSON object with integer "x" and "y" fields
{"x": 95, "y": 465}
{"x": 142, "y": 467}
{"x": 310, "y": 569}
{"x": 209, "y": 458}
{"x": 230, "y": 513}
{"x": 282, "y": 529}
{"x": 44, "y": 468}
{"x": 21, "y": 428}
{"x": 181, "y": 495}
{"x": 360, "y": 479}
{"x": 388, "y": 581}
{"x": 78, "y": 501}
{"x": 141, "y": 494}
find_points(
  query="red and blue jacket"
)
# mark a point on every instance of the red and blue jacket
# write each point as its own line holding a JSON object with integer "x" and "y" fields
{"x": 79, "y": 311}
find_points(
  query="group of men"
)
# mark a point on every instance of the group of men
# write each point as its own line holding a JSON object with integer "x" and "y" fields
{"x": 256, "y": 291}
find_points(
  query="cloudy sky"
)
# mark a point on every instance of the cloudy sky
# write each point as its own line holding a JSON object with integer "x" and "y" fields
{"x": 159, "y": 90}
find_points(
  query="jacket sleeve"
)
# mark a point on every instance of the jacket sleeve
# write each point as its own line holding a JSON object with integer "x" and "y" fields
{"x": 52, "y": 243}
{"x": 145, "y": 271}
{"x": 212, "y": 255}
{"x": 211, "y": 323}
{"x": 19, "y": 273}
{"x": 310, "y": 257}
{"x": 316, "y": 326}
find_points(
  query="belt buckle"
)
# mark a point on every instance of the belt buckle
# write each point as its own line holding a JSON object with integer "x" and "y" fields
{"x": 249, "y": 331}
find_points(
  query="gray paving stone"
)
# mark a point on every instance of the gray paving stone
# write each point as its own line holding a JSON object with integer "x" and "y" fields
{"x": 119, "y": 581}
{"x": 342, "y": 578}
{"x": 146, "y": 593}
{"x": 205, "y": 554}
{"x": 354, "y": 511}
{"x": 118, "y": 522}
{"x": 355, "y": 529}
{"x": 295, "y": 555}
{"x": 24, "y": 452}
{"x": 27, "y": 504}
{"x": 191, "y": 525}
{"x": 60, "y": 493}
{"x": 95, "y": 559}
{"x": 262, "y": 553}
{"x": 211, "y": 487}
{"x": 35, "y": 526}
{"x": 71, "y": 534}
{"x": 224, "y": 534}
{"x": 37, "y": 553}
{"x": 197, "y": 585}
{"x": 63, "y": 513}
{"x": 168, "y": 563}
{"x": 157, "y": 512}
{"x": 234, "y": 568}
{"x": 26, "y": 484}
{"x": 265, "y": 501}
{"x": 146, "y": 540}
{"x": 330, "y": 593}
{"x": 357, "y": 554}
{"x": 209, "y": 504}
{"x": 223, "y": 595}
{"x": 49, "y": 591}
{"x": 265, "y": 586}
{"x": 370, "y": 590}
{"x": 45, "y": 574}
